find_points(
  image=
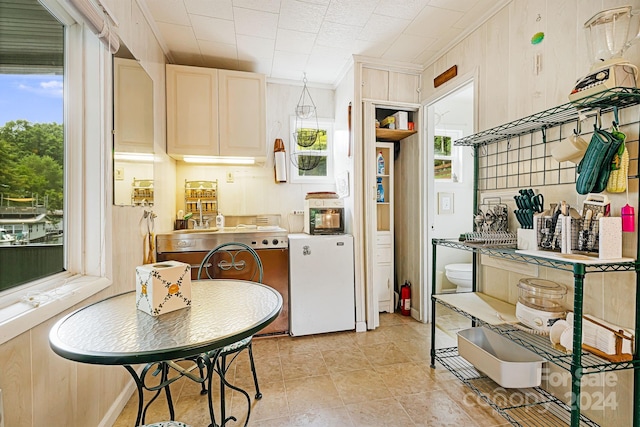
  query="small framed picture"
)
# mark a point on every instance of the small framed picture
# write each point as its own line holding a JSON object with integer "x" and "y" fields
{"x": 445, "y": 203}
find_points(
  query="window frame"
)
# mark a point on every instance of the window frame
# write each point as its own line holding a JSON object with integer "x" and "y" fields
{"x": 87, "y": 97}
{"x": 455, "y": 157}
{"x": 323, "y": 123}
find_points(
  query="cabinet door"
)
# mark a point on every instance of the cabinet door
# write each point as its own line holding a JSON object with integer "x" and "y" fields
{"x": 375, "y": 84}
{"x": 242, "y": 123}
{"x": 192, "y": 111}
{"x": 133, "y": 107}
{"x": 404, "y": 87}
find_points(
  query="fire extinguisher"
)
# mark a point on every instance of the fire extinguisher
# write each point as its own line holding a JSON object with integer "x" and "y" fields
{"x": 405, "y": 298}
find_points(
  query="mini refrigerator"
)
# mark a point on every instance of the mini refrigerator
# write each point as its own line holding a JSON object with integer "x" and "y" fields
{"x": 321, "y": 284}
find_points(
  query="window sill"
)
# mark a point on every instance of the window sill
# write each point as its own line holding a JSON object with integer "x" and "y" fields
{"x": 25, "y": 314}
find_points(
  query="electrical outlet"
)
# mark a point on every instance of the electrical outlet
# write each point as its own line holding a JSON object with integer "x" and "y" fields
{"x": 297, "y": 212}
{"x": 229, "y": 176}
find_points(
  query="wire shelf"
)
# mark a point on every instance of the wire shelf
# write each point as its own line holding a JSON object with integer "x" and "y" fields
{"x": 521, "y": 407}
{"x": 510, "y": 254}
{"x": 620, "y": 97}
{"x": 541, "y": 345}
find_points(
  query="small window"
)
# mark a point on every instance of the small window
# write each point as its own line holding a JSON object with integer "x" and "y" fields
{"x": 311, "y": 150}
{"x": 446, "y": 157}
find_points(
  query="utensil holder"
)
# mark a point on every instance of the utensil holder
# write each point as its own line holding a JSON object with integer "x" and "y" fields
{"x": 602, "y": 238}
{"x": 551, "y": 234}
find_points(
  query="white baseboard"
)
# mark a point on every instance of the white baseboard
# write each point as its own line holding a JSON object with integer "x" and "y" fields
{"x": 118, "y": 405}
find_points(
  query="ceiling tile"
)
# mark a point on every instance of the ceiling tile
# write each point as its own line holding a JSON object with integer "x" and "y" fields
{"x": 170, "y": 11}
{"x": 296, "y": 61}
{"x": 373, "y": 49}
{"x": 331, "y": 53}
{"x": 254, "y": 47}
{"x": 287, "y": 72}
{"x": 407, "y": 47}
{"x": 407, "y": 9}
{"x": 301, "y": 16}
{"x": 294, "y": 41}
{"x": 255, "y": 23}
{"x": 257, "y": 65}
{"x": 272, "y": 6}
{"x": 431, "y": 22}
{"x": 427, "y": 56}
{"x": 381, "y": 28}
{"x": 284, "y": 38}
{"x": 211, "y": 8}
{"x": 349, "y": 12}
{"x": 215, "y": 49}
{"x": 333, "y": 34}
{"x": 323, "y": 71}
{"x": 213, "y": 29}
{"x": 179, "y": 38}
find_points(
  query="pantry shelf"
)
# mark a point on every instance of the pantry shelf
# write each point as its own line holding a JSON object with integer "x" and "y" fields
{"x": 383, "y": 134}
{"x": 521, "y": 407}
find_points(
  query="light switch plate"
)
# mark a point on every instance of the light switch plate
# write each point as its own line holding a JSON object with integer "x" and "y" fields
{"x": 119, "y": 176}
{"x": 445, "y": 203}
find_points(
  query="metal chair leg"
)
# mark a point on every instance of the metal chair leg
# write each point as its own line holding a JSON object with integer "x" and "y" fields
{"x": 204, "y": 388}
{"x": 253, "y": 370}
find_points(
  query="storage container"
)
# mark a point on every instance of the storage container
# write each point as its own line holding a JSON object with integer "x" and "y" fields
{"x": 541, "y": 294}
{"x": 505, "y": 362}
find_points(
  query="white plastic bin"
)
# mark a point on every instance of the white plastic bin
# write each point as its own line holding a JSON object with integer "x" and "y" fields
{"x": 502, "y": 360}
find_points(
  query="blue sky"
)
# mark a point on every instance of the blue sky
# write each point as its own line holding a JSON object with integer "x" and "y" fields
{"x": 35, "y": 98}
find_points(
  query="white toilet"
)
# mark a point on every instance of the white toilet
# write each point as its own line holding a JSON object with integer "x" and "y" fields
{"x": 460, "y": 275}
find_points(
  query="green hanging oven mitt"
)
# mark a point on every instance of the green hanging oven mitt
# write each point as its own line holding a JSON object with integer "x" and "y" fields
{"x": 617, "y": 139}
{"x": 591, "y": 164}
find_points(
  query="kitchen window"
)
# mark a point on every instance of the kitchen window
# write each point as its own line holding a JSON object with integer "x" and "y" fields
{"x": 31, "y": 144}
{"x": 75, "y": 149}
{"x": 312, "y": 159}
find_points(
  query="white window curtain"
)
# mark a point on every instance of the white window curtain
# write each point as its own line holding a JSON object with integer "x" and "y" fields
{"x": 100, "y": 22}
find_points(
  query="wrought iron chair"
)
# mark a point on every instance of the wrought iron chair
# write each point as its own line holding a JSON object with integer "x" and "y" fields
{"x": 234, "y": 259}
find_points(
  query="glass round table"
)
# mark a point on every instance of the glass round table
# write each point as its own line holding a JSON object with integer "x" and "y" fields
{"x": 114, "y": 332}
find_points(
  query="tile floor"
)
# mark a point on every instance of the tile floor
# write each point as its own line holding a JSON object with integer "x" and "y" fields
{"x": 374, "y": 378}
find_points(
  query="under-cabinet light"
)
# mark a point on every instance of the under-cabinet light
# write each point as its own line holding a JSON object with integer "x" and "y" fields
{"x": 220, "y": 160}
{"x": 134, "y": 157}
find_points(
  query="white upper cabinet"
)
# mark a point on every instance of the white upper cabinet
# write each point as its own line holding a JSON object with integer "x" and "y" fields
{"x": 214, "y": 112}
{"x": 242, "y": 113}
{"x": 133, "y": 107}
{"x": 385, "y": 85}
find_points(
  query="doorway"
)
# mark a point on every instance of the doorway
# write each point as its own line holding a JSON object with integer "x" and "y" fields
{"x": 449, "y": 173}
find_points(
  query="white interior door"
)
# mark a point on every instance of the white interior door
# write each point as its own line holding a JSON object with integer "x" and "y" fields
{"x": 449, "y": 113}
